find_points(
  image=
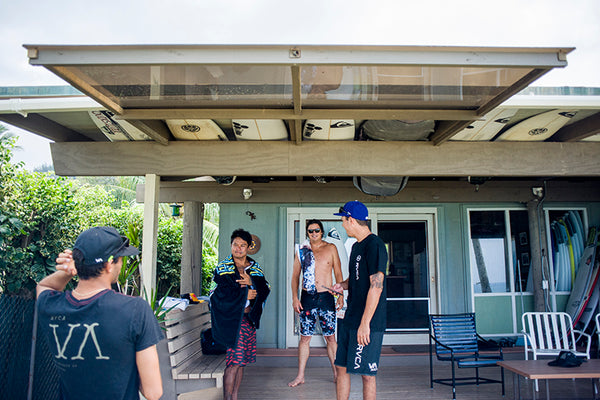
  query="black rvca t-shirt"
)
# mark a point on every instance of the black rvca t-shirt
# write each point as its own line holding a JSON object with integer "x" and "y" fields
{"x": 367, "y": 258}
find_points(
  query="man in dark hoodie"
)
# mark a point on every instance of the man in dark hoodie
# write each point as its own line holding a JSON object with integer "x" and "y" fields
{"x": 238, "y": 294}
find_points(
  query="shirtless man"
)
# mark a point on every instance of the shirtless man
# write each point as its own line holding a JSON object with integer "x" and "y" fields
{"x": 315, "y": 259}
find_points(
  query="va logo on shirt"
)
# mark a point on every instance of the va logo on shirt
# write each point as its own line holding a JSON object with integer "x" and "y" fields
{"x": 358, "y": 257}
{"x": 89, "y": 331}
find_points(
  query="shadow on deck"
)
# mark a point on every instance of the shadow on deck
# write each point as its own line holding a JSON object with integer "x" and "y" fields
{"x": 403, "y": 374}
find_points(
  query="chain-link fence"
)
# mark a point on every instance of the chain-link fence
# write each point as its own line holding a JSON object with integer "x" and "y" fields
{"x": 16, "y": 327}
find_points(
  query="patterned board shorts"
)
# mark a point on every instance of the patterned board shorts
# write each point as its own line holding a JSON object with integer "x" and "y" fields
{"x": 244, "y": 351}
{"x": 320, "y": 306}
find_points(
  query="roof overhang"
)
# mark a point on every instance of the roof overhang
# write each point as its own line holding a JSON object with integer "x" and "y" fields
{"x": 452, "y": 85}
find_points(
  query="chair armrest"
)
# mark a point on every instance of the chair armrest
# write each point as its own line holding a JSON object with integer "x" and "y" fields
{"x": 589, "y": 340}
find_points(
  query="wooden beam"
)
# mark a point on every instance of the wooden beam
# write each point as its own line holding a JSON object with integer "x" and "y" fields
{"x": 288, "y": 113}
{"x": 298, "y": 130}
{"x": 296, "y": 89}
{"x": 328, "y": 158}
{"x": 82, "y": 84}
{"x": 43, "y": 127}
{"x": 416, "y": 191}
{"x": 578, "y": 130}
{"x": 447, "y": 129}
{"x": 157, "y": 130}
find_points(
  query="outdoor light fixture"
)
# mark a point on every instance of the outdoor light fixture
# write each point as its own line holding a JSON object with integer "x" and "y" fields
{"x": 247, "y": 193}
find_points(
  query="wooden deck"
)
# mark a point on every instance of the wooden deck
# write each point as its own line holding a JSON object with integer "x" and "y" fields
{"x": 403, "y": 375}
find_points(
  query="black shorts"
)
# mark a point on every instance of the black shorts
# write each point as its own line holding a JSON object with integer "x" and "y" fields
{"x": 357, "y": 359}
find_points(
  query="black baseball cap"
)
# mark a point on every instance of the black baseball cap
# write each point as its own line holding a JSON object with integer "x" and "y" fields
{"x": 100, "y": 243}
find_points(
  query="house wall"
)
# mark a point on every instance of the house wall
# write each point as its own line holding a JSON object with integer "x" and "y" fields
{"x": 269, "y": 224}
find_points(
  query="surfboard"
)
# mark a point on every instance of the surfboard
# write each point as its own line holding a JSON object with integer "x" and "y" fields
{"x": 195, "y": 129}
{"x": 583, "y": 278}
{"x": 590, "y": 308}
{"x": 539, "y": 127}
{"x": 328, "y": 129}
{"x": 333, "y": 236}
{"x": 116, "y": 130}
{"x": 585, "y": 300}
{"x": 259, "y": 129}
{"x": 397, "y": 130}
{"x": 487, "y": 127}
{"x": 562, "y": 265}
{"x": 563, "y": 226}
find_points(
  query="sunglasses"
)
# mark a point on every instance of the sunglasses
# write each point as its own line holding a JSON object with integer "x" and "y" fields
{"x": 313, "y": 230}
{"x": 343, "y": 211}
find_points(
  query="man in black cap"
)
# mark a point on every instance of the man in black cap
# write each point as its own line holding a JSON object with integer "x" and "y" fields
{"x": 360, "y": 333}
{"x": 103, "y": 342}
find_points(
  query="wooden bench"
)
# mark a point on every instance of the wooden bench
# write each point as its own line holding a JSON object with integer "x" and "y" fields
{"x": 183, "y": 367}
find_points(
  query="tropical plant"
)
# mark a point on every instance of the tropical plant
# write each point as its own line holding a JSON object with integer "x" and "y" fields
{"x": 37, "y": 219}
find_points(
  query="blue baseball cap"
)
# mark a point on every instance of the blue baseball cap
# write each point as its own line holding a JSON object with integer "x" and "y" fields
{"x": 354, "y": 209}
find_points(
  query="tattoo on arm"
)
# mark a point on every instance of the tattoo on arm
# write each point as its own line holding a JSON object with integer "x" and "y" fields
{"x": 377, "y": 281}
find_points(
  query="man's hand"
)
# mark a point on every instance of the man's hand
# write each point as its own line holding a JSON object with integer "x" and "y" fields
{"x": 363, "y": 334}
{"x": 65, "y": 263}
{"x": 251, "y": 294}
{"x": 340, "y": 303}
{"x": 297, "y": 305}
{"x": 338, "y": 288}
{"x": 245, "y": 279}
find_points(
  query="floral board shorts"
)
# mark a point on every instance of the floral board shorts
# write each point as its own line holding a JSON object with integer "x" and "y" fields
{"x": 319, "y": 306}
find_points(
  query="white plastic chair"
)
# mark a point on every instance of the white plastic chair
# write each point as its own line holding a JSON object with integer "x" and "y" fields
{"x": 549, "y": 333}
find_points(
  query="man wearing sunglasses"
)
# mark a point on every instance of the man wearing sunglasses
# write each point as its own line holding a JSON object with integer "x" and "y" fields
{"x": 103, "y": 342}
{"x": 315, "y": 260}
{"x": 360, "y": 334}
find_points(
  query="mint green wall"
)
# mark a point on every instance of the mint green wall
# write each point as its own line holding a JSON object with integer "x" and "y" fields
{"x": 270, "y": 227}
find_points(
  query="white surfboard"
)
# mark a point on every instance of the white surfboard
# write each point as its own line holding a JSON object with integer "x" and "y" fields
{"x": 116, "y": 130}
{"x": 487, "y": 127}
{"x": 539, "y": 127}
{"x": 328, "y": 129}
{"x": 195, "y": 129}
{"x": 259, "y": 129}
{"x": 333, "y": 236}
{"x": 590, "y": 308}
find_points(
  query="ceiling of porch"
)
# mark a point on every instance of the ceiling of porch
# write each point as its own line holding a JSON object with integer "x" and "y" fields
{"x": 140, "y": 97}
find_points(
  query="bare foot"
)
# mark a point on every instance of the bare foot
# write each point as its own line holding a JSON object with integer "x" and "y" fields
{"x": 296, "y": 382}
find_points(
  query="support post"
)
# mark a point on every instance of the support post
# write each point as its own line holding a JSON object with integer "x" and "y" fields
{"x": 150, "y": 233}
{"x": 538, "y": 267}
{"x": 191, "y": 248}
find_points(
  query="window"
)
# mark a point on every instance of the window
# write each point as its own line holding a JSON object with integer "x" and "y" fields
{"x": 499, "y": 249}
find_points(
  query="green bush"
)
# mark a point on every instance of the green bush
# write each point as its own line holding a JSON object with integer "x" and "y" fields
{"x": 38, "y": 218}
{"x": 40, "y": 215}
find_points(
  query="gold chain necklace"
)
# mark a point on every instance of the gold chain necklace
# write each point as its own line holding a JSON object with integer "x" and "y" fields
{"x": 88, "y": 293}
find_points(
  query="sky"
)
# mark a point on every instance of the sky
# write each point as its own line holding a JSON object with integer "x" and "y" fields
{"x": 512, "y": 23}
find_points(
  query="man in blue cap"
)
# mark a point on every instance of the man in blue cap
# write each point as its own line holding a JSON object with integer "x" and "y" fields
{"x": 103, "y": 342}
{"x": 360, "y": 333}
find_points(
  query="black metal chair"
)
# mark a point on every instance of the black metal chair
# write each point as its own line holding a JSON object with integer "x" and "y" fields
{"x": 456, "y": 340}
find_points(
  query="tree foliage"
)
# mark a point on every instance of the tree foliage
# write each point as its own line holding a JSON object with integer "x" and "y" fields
{"x": 37, "y": 220}
{"x": 41, "y": 214}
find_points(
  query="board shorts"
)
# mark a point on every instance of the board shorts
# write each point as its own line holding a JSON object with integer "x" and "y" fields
{"x": 319, "y": 306}
{"x": 244, "y": 351}
{"x": 357, "y": 359}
